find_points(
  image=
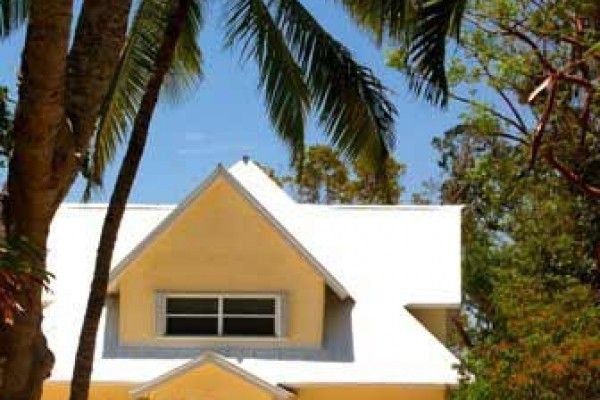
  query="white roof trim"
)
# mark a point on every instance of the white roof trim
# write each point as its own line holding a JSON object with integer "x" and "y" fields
{"x": 212, "y": 358}
{"x": 116, "y": 272}
{"x": 335, "y": 285}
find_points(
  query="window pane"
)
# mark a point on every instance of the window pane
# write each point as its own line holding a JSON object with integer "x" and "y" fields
{"x": 249, "y": 306}
{"x": 248, "y": 326}
{"x": 176, "y": 305}
{"x": 191, "y": 326}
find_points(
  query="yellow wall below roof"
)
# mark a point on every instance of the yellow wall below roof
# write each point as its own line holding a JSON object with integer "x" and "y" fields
{"x": 372, "y": 392}
{"x": 221, "y": 243}
{"x": 98, "y": 391}
{"x": 220, "y": 381}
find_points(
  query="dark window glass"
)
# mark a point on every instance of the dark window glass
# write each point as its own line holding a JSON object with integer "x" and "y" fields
{"x": 248, "y": 326}
{"x": 182, "y": 305}
{"x": 191, "y": 326}
{"x": 249, "y": 306}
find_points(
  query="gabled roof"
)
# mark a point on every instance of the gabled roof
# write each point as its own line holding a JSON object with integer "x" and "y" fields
{"x": 386, "y": 257}
{"x": 210, "y": 357}
{"x": 120, "y": 268}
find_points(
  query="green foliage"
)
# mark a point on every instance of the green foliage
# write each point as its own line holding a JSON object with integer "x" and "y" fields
{"x": 524, "y": 162}
{"x": 21, "y": 265}
{"x": 322, "y": 176}
{"x": 420, "y": 31}
{"x": 303, "y": 68}
{"x": 129, "y": 82}
{"x": 530, "y": 313}
{"x": 546, "y": 344}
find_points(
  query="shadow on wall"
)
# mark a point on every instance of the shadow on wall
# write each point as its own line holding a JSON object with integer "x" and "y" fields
{"x": 337, "y": 345}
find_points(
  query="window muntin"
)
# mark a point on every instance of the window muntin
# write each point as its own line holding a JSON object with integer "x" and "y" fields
{"x": 228, "y": 315}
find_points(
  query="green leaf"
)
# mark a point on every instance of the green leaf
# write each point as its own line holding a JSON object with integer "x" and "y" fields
{"x": 384, "y": 19}
{"x": 352, "y": 105}
{"x": 436, "y": 20}
{"x": 420, "y": 30}
{"x": 133, "y": 72}
{"x": 251, "y": 26}
{"x": 595, "y": 48}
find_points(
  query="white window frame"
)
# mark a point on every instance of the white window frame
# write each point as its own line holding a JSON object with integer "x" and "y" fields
{"x": 162, "y": 314}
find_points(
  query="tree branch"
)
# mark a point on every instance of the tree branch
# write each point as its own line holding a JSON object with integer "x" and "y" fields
{"x": 464, "y": 335}
{"x": 572, "y": 177}
{"x": 541, "y": 126}
{"x": 503, "y": 95}
{"x": 527, "y": 40}
{"x": 495, "y": 113}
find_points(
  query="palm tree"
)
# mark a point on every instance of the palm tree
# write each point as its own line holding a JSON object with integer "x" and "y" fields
{"x": 175, "y": 25}
{"x": 77, "y": 102}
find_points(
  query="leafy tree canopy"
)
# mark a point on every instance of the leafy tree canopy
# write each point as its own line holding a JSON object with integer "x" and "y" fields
{"x": 524, "y": 161}
{"x": 323, "y": 176}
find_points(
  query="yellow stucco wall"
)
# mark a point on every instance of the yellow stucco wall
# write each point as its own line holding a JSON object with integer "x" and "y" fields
{"x": 98, "y": 391}
{"x": 372, "y": 392}
{"x": 215, "y": 384}
{"x": 221, "y": 243}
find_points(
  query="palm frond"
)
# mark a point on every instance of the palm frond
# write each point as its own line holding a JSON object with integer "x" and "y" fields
{"x": 133, "y": 72}
{"x": 384, "y": 19}
{"x": 351, "y": 103}
{"x": 13, "y": 14}
{"x": 421, "y": 28}
{"x": 251, "y": 26}
{"x": 436, "y": 20}
{"x": 186, "y": 70}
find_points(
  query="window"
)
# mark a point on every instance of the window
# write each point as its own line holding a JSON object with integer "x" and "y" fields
{"x": 227, "y": 315}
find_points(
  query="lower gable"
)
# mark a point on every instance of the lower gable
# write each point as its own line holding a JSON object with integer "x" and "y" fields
{"x": 208, "y": 381}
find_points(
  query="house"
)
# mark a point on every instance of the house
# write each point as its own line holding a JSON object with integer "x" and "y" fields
{"x": 241, "y": 293}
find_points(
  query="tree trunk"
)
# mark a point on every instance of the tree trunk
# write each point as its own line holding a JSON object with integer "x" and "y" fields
{"x": 31, "y": 189}
{"x": 46, "y": 158}
{"x": 87, "y": 340}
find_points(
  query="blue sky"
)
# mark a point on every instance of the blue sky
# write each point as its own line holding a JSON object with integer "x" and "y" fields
{"x": 224, "y": 118}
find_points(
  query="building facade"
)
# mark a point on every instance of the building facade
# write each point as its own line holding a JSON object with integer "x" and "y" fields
{"x": 241, "y": 293}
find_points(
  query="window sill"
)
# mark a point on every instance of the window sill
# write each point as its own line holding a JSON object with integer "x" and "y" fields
{"x": 220, "y": 340}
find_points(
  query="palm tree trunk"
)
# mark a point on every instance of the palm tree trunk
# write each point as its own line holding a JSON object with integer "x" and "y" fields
{"x": 87, "y": 340}
{"x": 26, "y": 360}
{"x": 46, "y": 153}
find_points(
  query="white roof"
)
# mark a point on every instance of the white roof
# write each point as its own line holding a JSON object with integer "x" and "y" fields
{"x": 385, "y": 257}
